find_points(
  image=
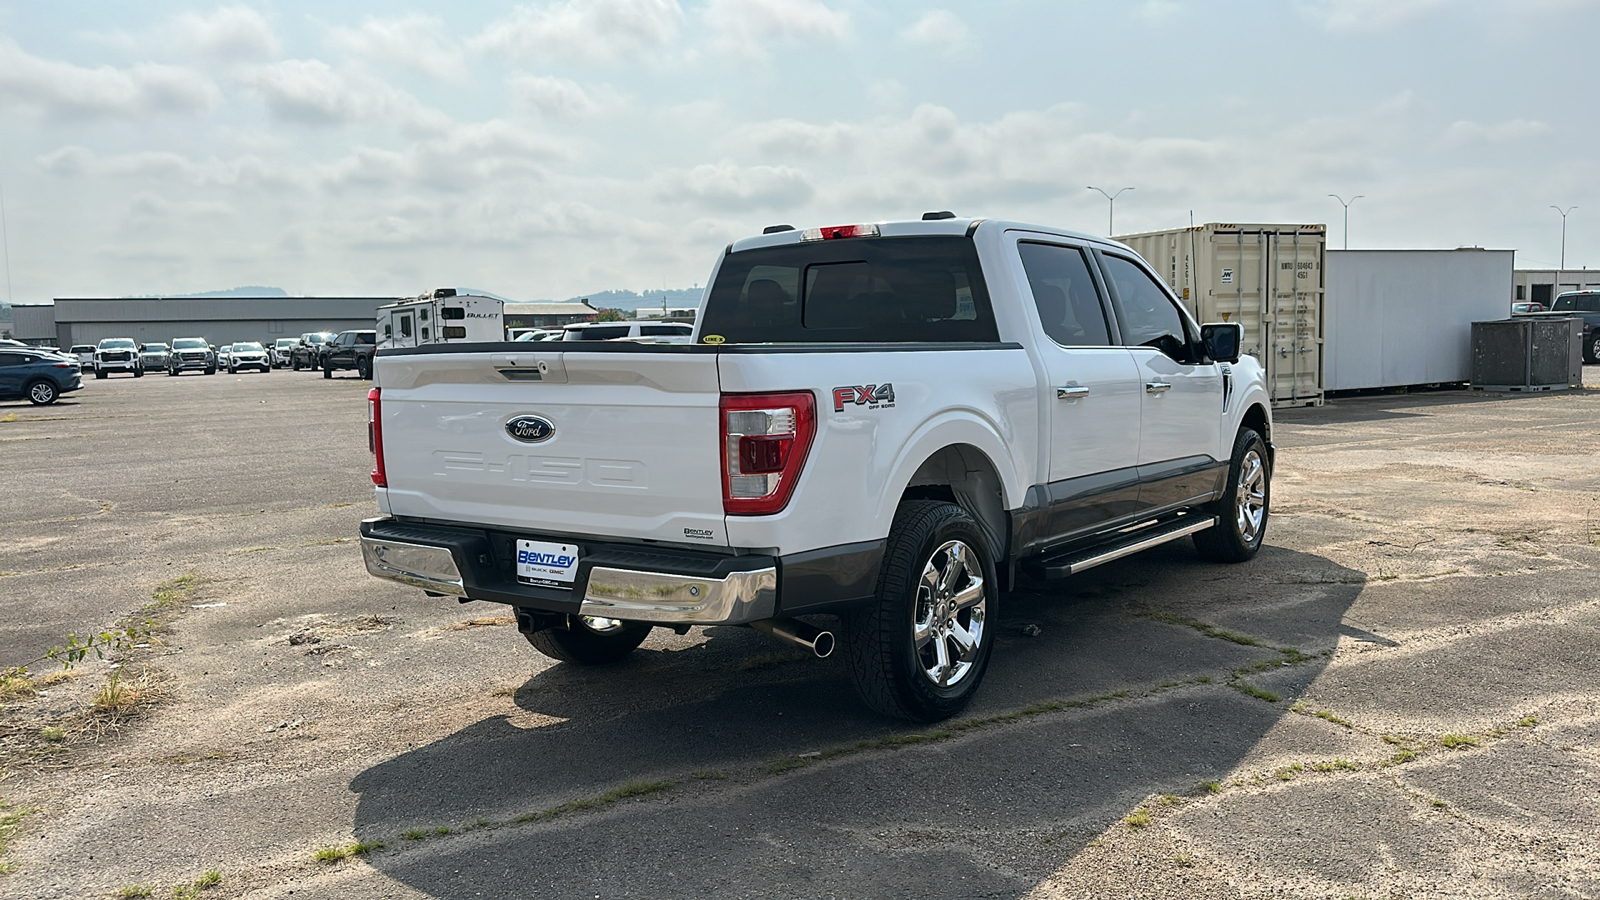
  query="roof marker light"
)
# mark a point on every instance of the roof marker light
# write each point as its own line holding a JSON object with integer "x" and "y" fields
{"x": 829, "y": 232}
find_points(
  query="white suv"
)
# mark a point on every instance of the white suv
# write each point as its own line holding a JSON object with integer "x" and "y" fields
{"x": 643, "y": 332}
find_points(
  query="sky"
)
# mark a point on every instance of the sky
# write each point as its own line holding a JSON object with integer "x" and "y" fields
{"x": 555, "y": 148}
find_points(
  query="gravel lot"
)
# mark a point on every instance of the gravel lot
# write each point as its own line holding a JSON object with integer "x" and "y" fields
{"x": 1397, "y": 698}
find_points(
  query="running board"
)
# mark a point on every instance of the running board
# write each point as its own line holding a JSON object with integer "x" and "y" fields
{"x": 1073, "y": 563}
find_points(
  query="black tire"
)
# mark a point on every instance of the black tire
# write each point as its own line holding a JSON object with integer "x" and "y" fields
{"x": 99, "y": 375}
{"x": 294, "y": 364}
{"x": 138, "y": 373}
{"x": 171, "y": 372}
{"x": 327, "y": 370}
{"x": 1238, "y": 533}
{"x": 1593, "y": 349}
{"x": 211, "y": 371}
{"x": 364, "y": 368}
{"x": 587, "y": 646}
{"x": 43, "y": 392}
{"x": 891, "y": 672}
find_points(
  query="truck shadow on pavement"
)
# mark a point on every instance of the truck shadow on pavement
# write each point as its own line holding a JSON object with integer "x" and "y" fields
{"x": 1127, "y": 682}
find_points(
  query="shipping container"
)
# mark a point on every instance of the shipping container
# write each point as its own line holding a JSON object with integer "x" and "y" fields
{"x": 1398, "y": 318}
{"x": 1268, "y": 278}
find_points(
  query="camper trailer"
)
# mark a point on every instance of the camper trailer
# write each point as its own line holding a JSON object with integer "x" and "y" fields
{"x": 441, "y": 316}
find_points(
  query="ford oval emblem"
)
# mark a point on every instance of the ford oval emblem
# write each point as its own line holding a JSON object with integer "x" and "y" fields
{"x": 531, "y": 429}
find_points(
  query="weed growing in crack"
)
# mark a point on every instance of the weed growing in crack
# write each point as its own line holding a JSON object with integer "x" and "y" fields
{"x": 1139, "y": 818}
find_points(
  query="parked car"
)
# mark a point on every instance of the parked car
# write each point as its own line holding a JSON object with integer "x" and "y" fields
{"x": 154, "y": 356}
{"x": 306, "y": 351}
{"x": 350, "y": 350}
{"x": 117, "y": 355}
{"x": 84, "y": 354}
{"x": 1522, "y": 309}
{"x": 280, "y": 350}
{"x": 248, "y": 355}
{"x": 532, "y": 334}
{"x": 876, "y": 469}
{"x": 39, "y": 377}
{"x": 191, "y": 353}
{"x": 647, "y": 332}
{"x": 223, "y": 354}
{"x": 1584, "y": 305}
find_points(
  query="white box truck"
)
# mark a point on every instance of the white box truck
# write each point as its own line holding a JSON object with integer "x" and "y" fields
{"x": 1268, "y": 278}
{"x": 441, "y": 316}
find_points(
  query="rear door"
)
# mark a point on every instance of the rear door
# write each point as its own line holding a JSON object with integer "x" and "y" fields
{"x": 557, "y": 441}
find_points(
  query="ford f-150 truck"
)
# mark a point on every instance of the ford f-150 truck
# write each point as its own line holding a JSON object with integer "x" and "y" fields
{"x": 883, "y": 423}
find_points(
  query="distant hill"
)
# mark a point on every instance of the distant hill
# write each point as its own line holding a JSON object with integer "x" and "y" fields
{"x": 676, "y": 298}
{"x": 247, "y": 291}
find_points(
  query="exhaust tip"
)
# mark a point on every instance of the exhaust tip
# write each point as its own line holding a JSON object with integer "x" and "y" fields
{"x": 822, "y": 644}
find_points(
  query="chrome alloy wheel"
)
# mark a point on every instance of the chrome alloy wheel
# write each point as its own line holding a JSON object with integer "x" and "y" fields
{"x": 951, "y": 608}
{"x": 1250, "y": 504}
{"x": 42, "y": 392}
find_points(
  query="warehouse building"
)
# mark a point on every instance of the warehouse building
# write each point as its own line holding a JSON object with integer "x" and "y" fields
{"x": 1542, "y": 285}
{"x": 548, "y": 315}
{"x": 220, "y": 320}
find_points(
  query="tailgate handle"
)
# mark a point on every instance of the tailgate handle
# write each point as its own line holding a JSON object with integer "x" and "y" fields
{"x": 515, "y": 368}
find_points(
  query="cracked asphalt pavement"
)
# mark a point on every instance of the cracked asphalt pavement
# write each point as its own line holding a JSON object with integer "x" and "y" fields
{"x": 1396, "y": 698}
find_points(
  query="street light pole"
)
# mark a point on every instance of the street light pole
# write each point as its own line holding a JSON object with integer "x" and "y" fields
{"x": 1346, "y": 205}
{"x": 1111, "y": 214}
{"x": 1563, "y": 231}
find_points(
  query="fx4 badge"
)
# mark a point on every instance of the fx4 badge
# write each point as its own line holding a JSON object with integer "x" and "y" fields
{"x": 872, "y": 396}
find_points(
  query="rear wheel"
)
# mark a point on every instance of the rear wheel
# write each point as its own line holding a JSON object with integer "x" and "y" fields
{"x": 327, "y": 370}
{"x": 42, "y": 393}
{"x": 138, "y": 373}
{"x": 920, "y": 651}
{"x": 364, "y": 368}
{"x": 98, "y": 374}
{"x": 1594, "y": 349}
{"x": 590, "y": 640}
{"x": 1242, "y": 511}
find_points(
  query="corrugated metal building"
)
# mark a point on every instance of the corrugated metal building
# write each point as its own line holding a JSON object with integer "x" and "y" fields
{"x": 220, "y": 320}
{"x": 548, "y": 315}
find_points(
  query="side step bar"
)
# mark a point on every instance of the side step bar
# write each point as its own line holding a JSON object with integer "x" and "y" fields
{"x": 1073, "y": 563}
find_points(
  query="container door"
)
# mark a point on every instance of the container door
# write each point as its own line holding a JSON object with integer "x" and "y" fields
{"x": 1295, "y": 311}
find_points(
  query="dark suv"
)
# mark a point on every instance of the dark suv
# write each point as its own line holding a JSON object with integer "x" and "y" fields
{"x": 37, "y": 376}
{"x": 1583, "y": 305}
{"x": 350, "y": 350}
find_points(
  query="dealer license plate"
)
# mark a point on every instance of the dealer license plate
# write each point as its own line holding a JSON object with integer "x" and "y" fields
{"x": 544, "y": 563}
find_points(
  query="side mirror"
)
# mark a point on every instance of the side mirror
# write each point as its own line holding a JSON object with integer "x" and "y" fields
{"x": 1222, "y": 340}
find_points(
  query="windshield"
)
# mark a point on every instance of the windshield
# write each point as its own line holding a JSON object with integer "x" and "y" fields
{"x": 188, "y": 344}
{"x": 247, "y": 346}
{"x": 320, "y": 337}
{"x": 152, "y": 348}
{"x": 285, "y": 342}
{"x": 117, "y": 344}
{"x": 82, "y": 348}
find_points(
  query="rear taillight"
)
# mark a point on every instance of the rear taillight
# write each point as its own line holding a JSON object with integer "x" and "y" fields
{"x": 765, "y": 439}
{"x": 375, "y": 438}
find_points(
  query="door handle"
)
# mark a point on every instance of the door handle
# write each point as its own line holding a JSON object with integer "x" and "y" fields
{"x": 1071, "y": 392}
{"x": 1156, "y": 387}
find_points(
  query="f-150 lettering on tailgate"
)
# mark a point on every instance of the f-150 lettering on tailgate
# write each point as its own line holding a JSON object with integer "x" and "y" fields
{"x": 614, "y": 473}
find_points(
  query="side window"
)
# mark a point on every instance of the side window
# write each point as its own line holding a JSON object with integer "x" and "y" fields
{"x": 12, "y": 359}
{"x": 405, "y": 326}
{"x": 1064, "y": 292}
{"x": 1149, "y": 318}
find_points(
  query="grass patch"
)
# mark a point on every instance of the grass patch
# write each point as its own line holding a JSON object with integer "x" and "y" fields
{"x": 1528, "y": 721}
{"x": 10, "y": 820}
{"x": 1439, "y": 804}
{"x": 53, "y": 733}
{"x": 708, "y": 775}
{"x": 1289, "y": 773}
{"x": 128, "y": 892}
{"x": 193, "y": 889}
{"x": 1183, "y": 861}
{"x": 1204, "y": 628}
{"x": 415, "y": 834}
{"x": 8, "y": 417}
{"x": 1336, "y": 765}
{"x": 1212, "y": 787}
{"x": 172, "y": 593}
{"x": 124, "y": 698}
{"x": 637, "y": 788}
{"x": 442, "y": 830}
{"x": 1402, "y": 756}
{"x": 1253, "y": 691}
{"x": 329, "y": 855}
{"x": 1139, "y": 818}
{"x": 15, "y": 684}
{"x": 1460, "y": 741}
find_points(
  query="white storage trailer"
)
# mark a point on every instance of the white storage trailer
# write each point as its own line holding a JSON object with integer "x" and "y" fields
{"x": 1268, "y": 278}
{"x": 1397, "y": 318}
{"x": 441, "y": 316}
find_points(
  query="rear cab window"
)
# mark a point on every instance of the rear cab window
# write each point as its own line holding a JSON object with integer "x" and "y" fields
{"x": 925, "y": 288}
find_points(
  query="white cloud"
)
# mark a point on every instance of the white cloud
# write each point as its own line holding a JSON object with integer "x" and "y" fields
{"x": 1370, "y": 15}
{"x": 414, "y": 43}
{"x": 165, "y": 167}
{"x": 725, "y": 186}
{"x": 310, "y": 92}
{"x": 1465, "y": 133}
{"x": 1159, "y": 11}
{"x": 231, "y": 34}
{"x": 562, "y": 98}
{"x": 492, "y": 152}
{"x": 749, "y": 27}
{"x": 585, "y": 32}
{"x": 63, "y": 89}
{"x": 938, "y": 28}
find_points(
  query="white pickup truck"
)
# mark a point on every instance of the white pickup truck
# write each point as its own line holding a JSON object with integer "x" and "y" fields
{"x": 884, "y": 423}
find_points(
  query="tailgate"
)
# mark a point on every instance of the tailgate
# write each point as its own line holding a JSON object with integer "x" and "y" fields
{"x": 558, "y": 442}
